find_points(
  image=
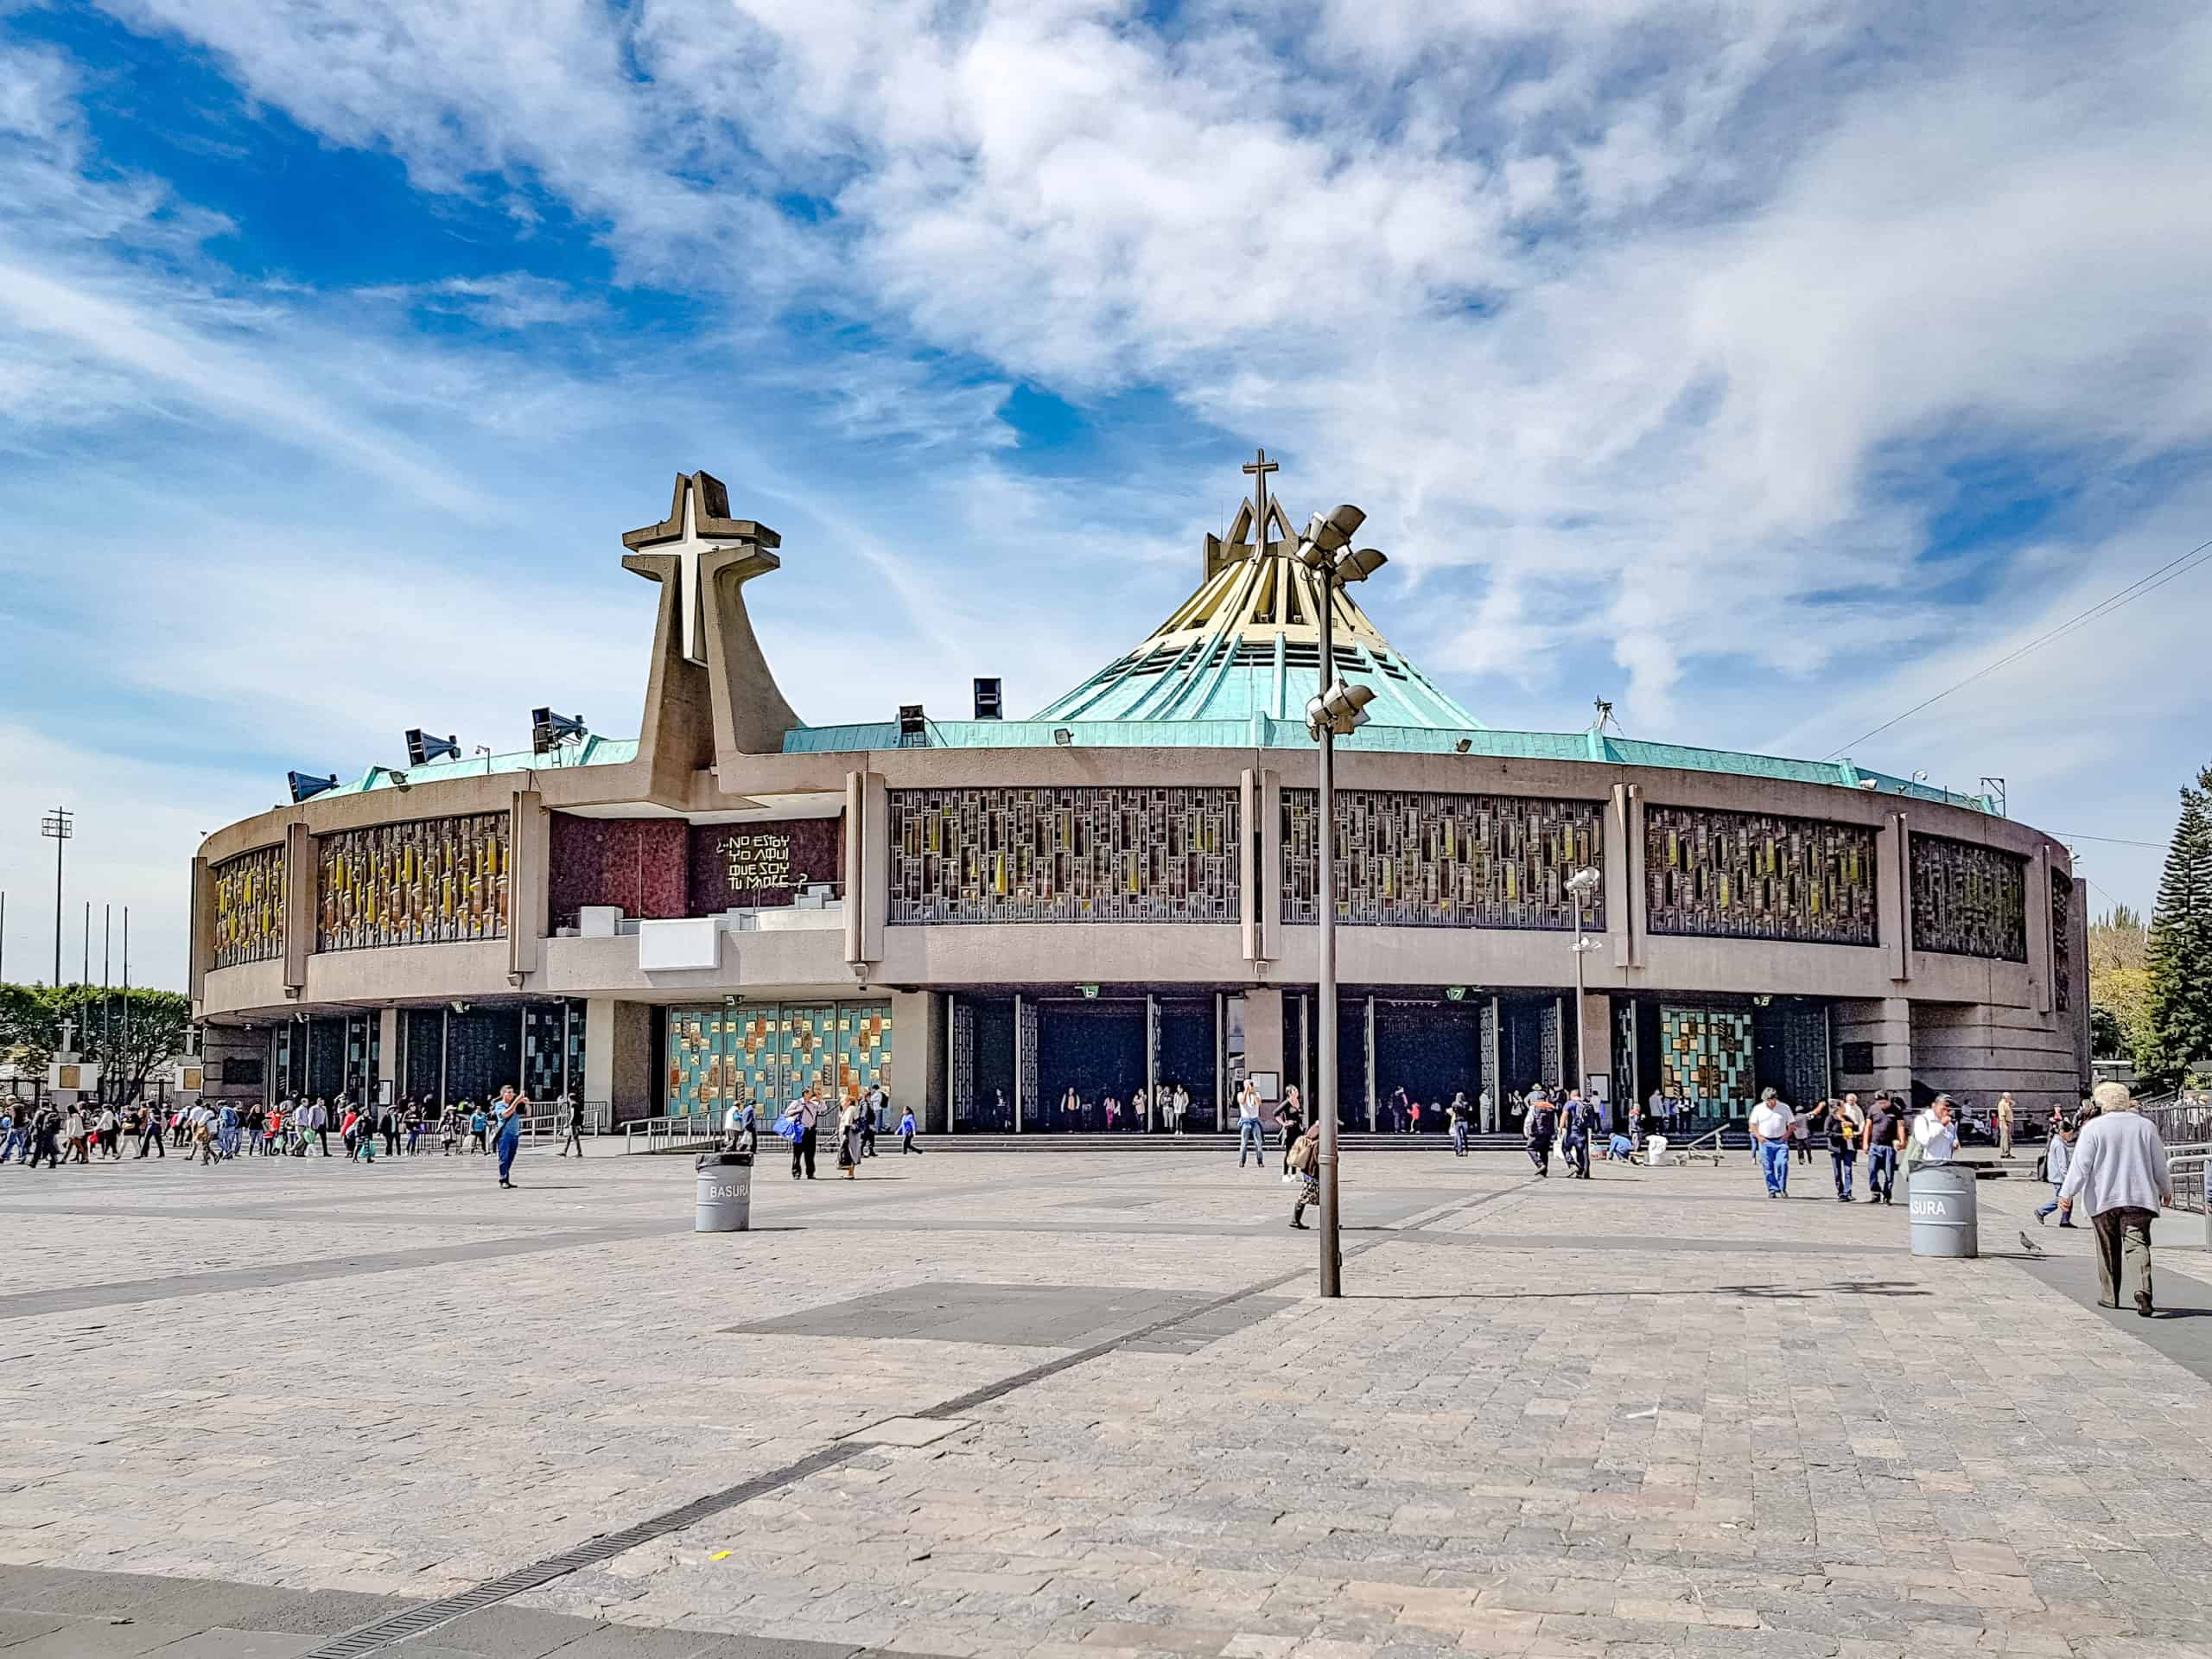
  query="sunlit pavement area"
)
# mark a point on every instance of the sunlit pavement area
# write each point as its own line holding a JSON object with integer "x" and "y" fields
{"x": 1083, "y": 1403}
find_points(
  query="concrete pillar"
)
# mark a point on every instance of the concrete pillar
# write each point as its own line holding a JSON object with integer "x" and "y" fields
{"x": 1593, "y": 1038}
{"x": 392, "y": 1056}
{"x": 1876, "y": 1031}
{"x": 920, "y": 1022}
{"x": 529, "y": 856}
{"x": 619, "y": 1062}
{"x": 1263, "y": 1035}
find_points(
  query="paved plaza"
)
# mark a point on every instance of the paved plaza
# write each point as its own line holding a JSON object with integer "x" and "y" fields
{"x": 1057, "y": 1404}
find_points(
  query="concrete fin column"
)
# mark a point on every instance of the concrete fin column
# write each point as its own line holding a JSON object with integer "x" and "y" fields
{"x": 1269, "y": 831}
{"x": 203, "y": 930}
{"x": 1247, "y": 863}
{"x": 2041, "y": 961}
{"x": 876, "y": 864}
{"x": 301, "y": 898}
{"x": 855, "y": 872}
{"x": 1893, "y": 894}
{"x": 1625, "y": 891}
{"x": 529, "y": 856}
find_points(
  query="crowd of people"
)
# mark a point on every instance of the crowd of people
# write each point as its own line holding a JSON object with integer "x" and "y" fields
{"x": 224, "y": 1131}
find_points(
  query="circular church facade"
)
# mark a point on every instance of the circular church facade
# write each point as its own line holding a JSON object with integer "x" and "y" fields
{"x": 1007, "y": 924}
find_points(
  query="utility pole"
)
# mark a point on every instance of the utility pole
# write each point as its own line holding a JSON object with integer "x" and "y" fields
{"x": 57, "y": 827}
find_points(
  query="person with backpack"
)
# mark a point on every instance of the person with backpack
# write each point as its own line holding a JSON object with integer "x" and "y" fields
{"x": 1578, "y": 1123}
{"x": 575, "y": 1129}
{"x": 1541, "y": 1126}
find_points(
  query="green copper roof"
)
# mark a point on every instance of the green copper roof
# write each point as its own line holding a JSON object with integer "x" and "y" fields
{"x": 1265, "y": 732}
{"x": 593, "y": 751}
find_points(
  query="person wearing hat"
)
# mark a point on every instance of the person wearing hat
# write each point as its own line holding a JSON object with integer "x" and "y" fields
{"x": 2119, "y": 1173}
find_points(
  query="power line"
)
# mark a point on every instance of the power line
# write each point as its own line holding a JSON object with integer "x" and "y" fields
{"x": 2135, "y": 590}
{"x": 2114, "y": 840}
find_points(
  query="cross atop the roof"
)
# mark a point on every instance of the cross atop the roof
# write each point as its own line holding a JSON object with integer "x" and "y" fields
{"x": 1258, "y": 470}
{"x": 698, "y": 522}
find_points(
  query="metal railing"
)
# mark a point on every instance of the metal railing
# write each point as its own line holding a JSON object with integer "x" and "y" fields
{"x": 668, "y": 1133}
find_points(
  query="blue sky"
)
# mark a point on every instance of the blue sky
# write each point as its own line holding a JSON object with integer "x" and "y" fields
{"x": 1761, "y": 366}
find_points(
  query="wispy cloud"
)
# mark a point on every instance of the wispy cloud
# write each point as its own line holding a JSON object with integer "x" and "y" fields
{"x": 1662, "y": 339}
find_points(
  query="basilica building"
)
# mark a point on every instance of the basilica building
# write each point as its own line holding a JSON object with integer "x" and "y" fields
{"x": 1009, "y": 924}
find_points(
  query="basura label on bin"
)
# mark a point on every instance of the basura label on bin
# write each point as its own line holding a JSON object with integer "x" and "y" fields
{"x": 725, "y": 1190}
{"x": 1932, "y": 1209}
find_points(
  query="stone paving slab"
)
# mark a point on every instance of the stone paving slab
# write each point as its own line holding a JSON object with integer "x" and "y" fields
{"x": 1647, "y": 1413}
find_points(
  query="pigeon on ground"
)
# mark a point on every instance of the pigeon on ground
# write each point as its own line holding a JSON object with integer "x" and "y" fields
{"x": 2029, "y": 1245}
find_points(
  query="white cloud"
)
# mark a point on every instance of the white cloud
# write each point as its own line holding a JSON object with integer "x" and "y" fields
{"x": 1637, "y": 325}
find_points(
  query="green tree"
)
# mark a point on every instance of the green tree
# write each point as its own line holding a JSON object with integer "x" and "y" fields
{"x": 33, "y": 1017}
{"x": 2119, "y": 987}
{"x": 2179, "y": 957}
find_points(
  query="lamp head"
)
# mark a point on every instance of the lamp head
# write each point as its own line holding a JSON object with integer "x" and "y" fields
{"x": 1359, "y": 563}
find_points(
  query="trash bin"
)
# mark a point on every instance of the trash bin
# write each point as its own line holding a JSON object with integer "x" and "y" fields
{"x": 1942, "y": 1206}
{"x": 725, "y": 1200}
{"x": 1654, "y": 1150}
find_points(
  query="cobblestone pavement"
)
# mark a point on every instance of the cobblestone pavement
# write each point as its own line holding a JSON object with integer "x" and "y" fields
{"x": 1060, "y": 1405}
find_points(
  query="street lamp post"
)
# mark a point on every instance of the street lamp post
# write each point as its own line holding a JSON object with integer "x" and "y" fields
{"x": 57, "y": 827}
{"x": 1582, "y": 884}
{"x": 1336, "y": 710}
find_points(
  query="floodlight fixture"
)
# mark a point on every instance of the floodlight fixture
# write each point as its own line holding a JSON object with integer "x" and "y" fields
{"x": 305, "y": 787}
{"x": 1359, "y": 563}
{"x": 1584, "y": 881}
{"x": 1463, "y": 746}
{"x": 422, "y": 749}
{"x": 1342, "y": 709}
{"x": 548, "y": 730}
{"x": 1062, "y": 736}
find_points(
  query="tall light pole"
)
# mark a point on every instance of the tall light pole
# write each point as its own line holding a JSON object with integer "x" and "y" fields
{"x": 1336, "y": 710}
{"x": 57, "y": 827}
{"x": 1583, "y": 882}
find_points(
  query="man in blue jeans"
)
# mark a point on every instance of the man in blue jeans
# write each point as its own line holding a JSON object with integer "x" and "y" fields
{"x": 1884, "y": 1130}
{"x": 509, "y": 1111}
{"x": 1770, "y": 1127}
{"x": 1249, "y": 1133}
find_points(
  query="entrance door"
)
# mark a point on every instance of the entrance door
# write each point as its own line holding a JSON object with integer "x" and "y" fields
{"x": 1093, "y": 1051}
{"x": 1426, "y": 1052}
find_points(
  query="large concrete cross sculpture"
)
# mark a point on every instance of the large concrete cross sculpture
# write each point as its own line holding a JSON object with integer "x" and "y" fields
{"x": 698, "y": 523}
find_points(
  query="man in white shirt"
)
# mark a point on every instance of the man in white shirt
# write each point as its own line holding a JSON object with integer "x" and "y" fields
{"x": 2118, "y": 1173}
{"x": 1770, "y": 1127}
{"x": 1936, "y": 1134}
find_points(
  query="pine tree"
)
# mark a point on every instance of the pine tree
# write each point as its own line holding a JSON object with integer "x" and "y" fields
{"x": 2181, "y": 945}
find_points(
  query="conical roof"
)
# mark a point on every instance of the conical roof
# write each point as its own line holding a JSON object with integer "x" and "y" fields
{"x": 1249, "y": 642}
